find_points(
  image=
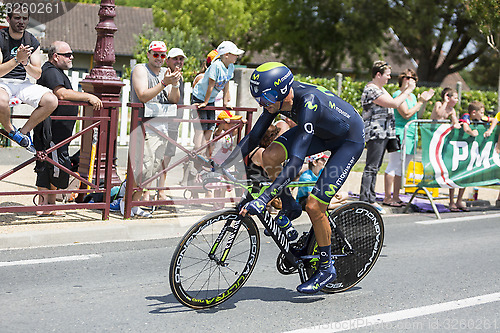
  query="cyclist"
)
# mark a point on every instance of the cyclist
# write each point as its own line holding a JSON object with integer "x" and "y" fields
{"x": 325, "y": 122}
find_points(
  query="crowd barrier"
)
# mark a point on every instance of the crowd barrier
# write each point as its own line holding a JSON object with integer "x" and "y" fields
{"x": 106, "y": 125}
{"x": 138, "y": 127}
{"x": 449, "y": 158}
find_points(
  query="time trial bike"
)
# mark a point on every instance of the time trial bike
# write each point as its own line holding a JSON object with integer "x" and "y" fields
{"x": 218, "y": 253}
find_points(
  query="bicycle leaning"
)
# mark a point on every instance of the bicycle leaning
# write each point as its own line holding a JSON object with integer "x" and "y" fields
{"x": 218, "y": 253}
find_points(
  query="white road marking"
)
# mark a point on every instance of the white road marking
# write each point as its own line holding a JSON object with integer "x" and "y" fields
{"x": 48, "y": 260}
{"x": 460, "y": 219}
{"x": 383, "y": 318}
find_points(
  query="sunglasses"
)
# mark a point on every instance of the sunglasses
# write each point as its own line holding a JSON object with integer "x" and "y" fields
{"x": 161, "y": 55}
{"x": 410, "y": 77}
{"x": 67, "y": 55}
{"x": 267, "y": 98}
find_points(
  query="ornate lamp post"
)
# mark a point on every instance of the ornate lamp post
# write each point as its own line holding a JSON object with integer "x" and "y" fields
{"x": 102, "y": 81}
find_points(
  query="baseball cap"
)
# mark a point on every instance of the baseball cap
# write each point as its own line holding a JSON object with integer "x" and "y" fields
{"x": 228, "y": 47}
{"x": 211, "y": 56}
{"x": 157, "y": 46}
{"x": 315, "y": 157}
{"x": 226, "y": 114}
{"x": 175, "y": 52}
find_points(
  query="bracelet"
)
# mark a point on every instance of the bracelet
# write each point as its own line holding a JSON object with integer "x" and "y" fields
{"x": 17, "y": 61}
{"x": 27, "y": 63}
{"x": 163, "y": 83}
{"x": 176, "y": 86}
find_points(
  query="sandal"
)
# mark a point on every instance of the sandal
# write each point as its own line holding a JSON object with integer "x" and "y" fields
{"x": 454, "y": 209}
{"x": 463, "y": 209}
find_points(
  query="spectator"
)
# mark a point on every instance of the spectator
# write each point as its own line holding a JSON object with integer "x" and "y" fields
{"x": 475, "y": 113}
{"x": 406, "y": 112}
{"x": 490, "y": 130}
{"x": 379, "y": 125}
{"x": 224, "y": 146}
{"x": 446, "y": 109}
{"x": 216, "y": 77}
{"x": 284, "y": 124}
{"x": 20, "y": 56}
{"x": 150, "y": 82}
{"x": 316, "y": 165}
{"x": 210, "y": 57}
{"x": 175, "y": 61}
{"x": 60, "y": 58}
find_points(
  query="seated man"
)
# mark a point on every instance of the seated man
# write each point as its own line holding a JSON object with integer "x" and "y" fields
{"x": 324, "y": 122}
{"x": 20, "y": 54}
{"x": 60, "y": 59}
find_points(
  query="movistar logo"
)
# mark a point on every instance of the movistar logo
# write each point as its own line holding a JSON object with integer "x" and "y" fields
{"x": 259, "y": 205}
{"x": 332, "y": 105}
{"x": 316, "y": 286}
{"x": 310, "y": 106}
{"x": 333, "y": 190}
{"x": 256, "y": 76}
{"x": 273, "y": 193}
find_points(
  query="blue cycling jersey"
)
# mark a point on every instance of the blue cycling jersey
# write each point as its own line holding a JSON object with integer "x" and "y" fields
{"x": 324, "y": 122}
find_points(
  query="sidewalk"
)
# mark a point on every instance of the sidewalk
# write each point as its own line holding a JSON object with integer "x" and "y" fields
{"x": 19, "y": 230}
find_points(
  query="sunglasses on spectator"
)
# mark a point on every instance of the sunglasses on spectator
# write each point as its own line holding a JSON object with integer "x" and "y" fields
{"x": 67, "y": 55}
{"x": 410, "y": 77}
{"x": 161, "y": 55}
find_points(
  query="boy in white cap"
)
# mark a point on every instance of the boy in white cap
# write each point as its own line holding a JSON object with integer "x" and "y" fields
{"x": 215, "y": 79}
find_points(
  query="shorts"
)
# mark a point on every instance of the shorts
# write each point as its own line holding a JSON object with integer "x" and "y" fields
{"x": 48, "y": 174}
{"x": 26, "y": 91}
{"x": 204, "y": 115}
{"x": 394, "y": 166}
{"x": 154, "y": 153}
{"x": 344, "y": 154}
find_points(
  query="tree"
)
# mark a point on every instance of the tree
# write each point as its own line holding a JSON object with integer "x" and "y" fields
{"x": 439, "y": 35}
{"x": 318, "y": 35}
{"x": 486, "y": 13}
{"x": 214, "y": 20}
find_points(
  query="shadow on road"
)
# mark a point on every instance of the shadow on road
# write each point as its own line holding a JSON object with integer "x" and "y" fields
{"x": 169, "y": 304}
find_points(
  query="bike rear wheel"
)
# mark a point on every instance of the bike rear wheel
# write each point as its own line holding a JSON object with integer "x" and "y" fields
{"x": 202, "y": 273}
{"x": 357, "y": 238}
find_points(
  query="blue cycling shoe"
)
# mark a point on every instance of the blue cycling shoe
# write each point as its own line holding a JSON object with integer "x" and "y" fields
{"x": 24, "y": 140}
{"x": 320, "y": 279}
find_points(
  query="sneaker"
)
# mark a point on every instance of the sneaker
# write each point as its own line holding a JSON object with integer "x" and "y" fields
{"x": 320, "y": 279}
{"x": 140, "y": 212}
{"x": 24, "y": 140}
{"x": 115, "y": 205}
{"x": 379, "y": 208}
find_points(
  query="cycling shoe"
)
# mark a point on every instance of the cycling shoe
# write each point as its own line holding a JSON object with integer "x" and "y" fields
{"x": 320, "y": 279}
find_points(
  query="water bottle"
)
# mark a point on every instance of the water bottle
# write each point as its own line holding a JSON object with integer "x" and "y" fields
{"x": 284, "y": 223}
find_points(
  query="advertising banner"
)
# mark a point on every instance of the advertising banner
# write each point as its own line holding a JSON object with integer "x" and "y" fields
{"x": 452, "y": 158}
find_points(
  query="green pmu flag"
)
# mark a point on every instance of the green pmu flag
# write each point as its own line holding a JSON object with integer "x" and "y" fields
{"x": 452, "y": 158}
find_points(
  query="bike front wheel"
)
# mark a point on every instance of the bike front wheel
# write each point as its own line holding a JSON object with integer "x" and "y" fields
{"x": 204, "y": 270}
{"x": 357, "y": 239}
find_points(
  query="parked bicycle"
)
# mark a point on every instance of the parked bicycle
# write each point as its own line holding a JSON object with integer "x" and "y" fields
{"x": 216, "y": 256}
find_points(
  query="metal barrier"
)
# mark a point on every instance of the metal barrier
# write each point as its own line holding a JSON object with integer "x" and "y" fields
{"x": 107, "y": 130}
{"x": 419, "y": 185}
{"x": 144, "y": 184}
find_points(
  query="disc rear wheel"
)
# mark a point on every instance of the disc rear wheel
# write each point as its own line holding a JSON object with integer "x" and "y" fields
{"x": 357, "y": 238}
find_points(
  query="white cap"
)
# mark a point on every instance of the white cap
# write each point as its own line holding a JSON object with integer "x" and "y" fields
{"x": 175, "y": 52}
{"x": 229, "y": 47}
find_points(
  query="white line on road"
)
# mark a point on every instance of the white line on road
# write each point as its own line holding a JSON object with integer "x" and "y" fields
{"x": 48, "y": 260}
{"x": 383, "y": 318}
{"x": 460, "y": 219}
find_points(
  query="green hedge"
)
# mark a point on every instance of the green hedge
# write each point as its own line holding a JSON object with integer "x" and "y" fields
{"x": 352, "y": 90}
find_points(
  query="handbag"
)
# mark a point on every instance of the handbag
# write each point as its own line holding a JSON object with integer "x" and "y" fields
{"x": 393, "y": 144}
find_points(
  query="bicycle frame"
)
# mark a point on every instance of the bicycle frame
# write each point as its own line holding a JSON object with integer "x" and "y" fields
{"x": 272, "y": 227}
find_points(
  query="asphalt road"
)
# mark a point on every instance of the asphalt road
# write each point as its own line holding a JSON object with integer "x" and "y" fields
{"x": 430, "y": 277}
